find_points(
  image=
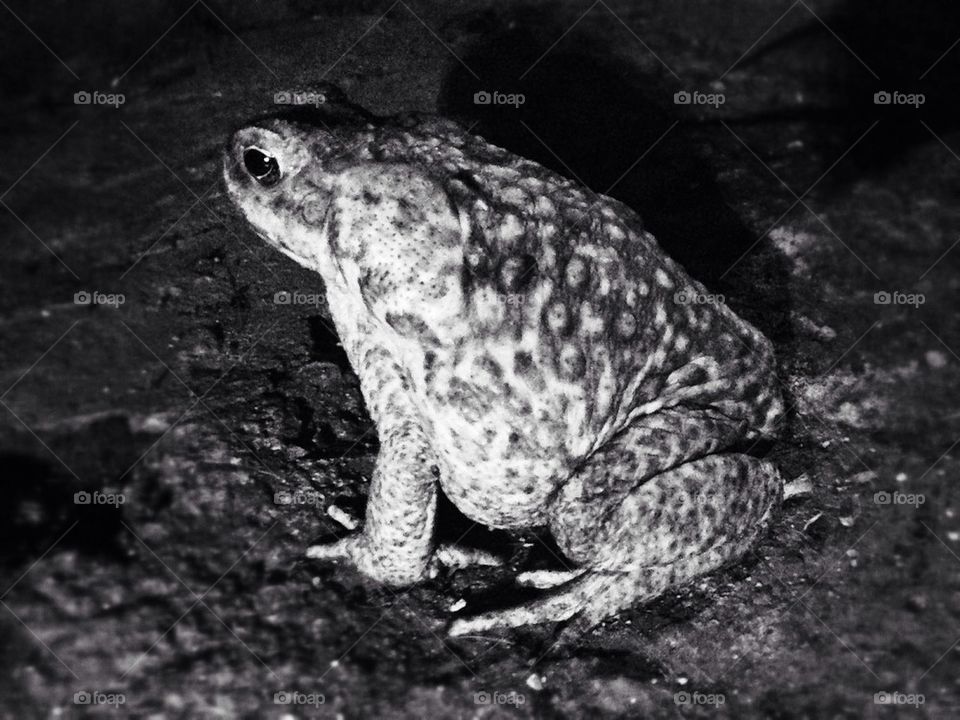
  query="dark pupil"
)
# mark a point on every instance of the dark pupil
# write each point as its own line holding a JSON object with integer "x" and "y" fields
{"x": 261, "y": 166}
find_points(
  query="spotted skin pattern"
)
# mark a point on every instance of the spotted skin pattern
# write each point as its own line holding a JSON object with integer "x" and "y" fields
{"x": 525, "y": 345}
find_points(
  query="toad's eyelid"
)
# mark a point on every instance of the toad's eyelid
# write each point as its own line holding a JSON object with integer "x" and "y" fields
{"x": 260, "y": 150}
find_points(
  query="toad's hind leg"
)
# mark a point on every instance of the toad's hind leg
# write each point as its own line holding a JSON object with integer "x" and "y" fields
{"x": 675, "y": 527}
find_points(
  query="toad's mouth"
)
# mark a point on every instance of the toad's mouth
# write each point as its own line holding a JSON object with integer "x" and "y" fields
{"x": 281, "y": 244}
{"x": 296, "y": 257}
{"x": 297, "y": 242}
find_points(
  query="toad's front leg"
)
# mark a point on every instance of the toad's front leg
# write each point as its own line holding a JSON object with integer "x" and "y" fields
{"x": 396, "y": 543}
{"x": 396, "y": 546}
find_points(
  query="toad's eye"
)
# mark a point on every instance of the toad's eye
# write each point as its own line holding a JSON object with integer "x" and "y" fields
{"x": 262, "y": 167}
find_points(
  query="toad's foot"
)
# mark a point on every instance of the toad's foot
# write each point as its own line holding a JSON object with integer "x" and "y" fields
{"x": 592, "y": 596}
{"x": 456, "y": 557}
{"x": 545, "y": 579}
{"x": 356, "y": 550}
{"x": 571, "y": 599}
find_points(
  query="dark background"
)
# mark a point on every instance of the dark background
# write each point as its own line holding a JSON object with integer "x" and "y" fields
{"x": 200, "y": 398}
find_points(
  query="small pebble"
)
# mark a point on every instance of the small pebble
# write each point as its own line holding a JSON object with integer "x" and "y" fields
{"x": 800, "y": 486}
{"x": 936, "y": 358}
{"x": 861, "y": 478}
{"x": 812, "y": 520}
{"x": 535, "y": 682}
{"x": 152, "y": 424}
{"x": 458, "y": 605}
{"x": 917, "y": 602}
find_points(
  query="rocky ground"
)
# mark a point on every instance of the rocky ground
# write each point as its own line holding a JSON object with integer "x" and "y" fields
{"x": 189, "y": 412}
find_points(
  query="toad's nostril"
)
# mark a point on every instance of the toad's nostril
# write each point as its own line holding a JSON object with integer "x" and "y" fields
{"x": 262, "y": 167}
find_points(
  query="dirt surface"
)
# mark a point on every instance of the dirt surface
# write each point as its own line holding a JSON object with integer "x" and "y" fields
{"x": 204, "y": 404}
